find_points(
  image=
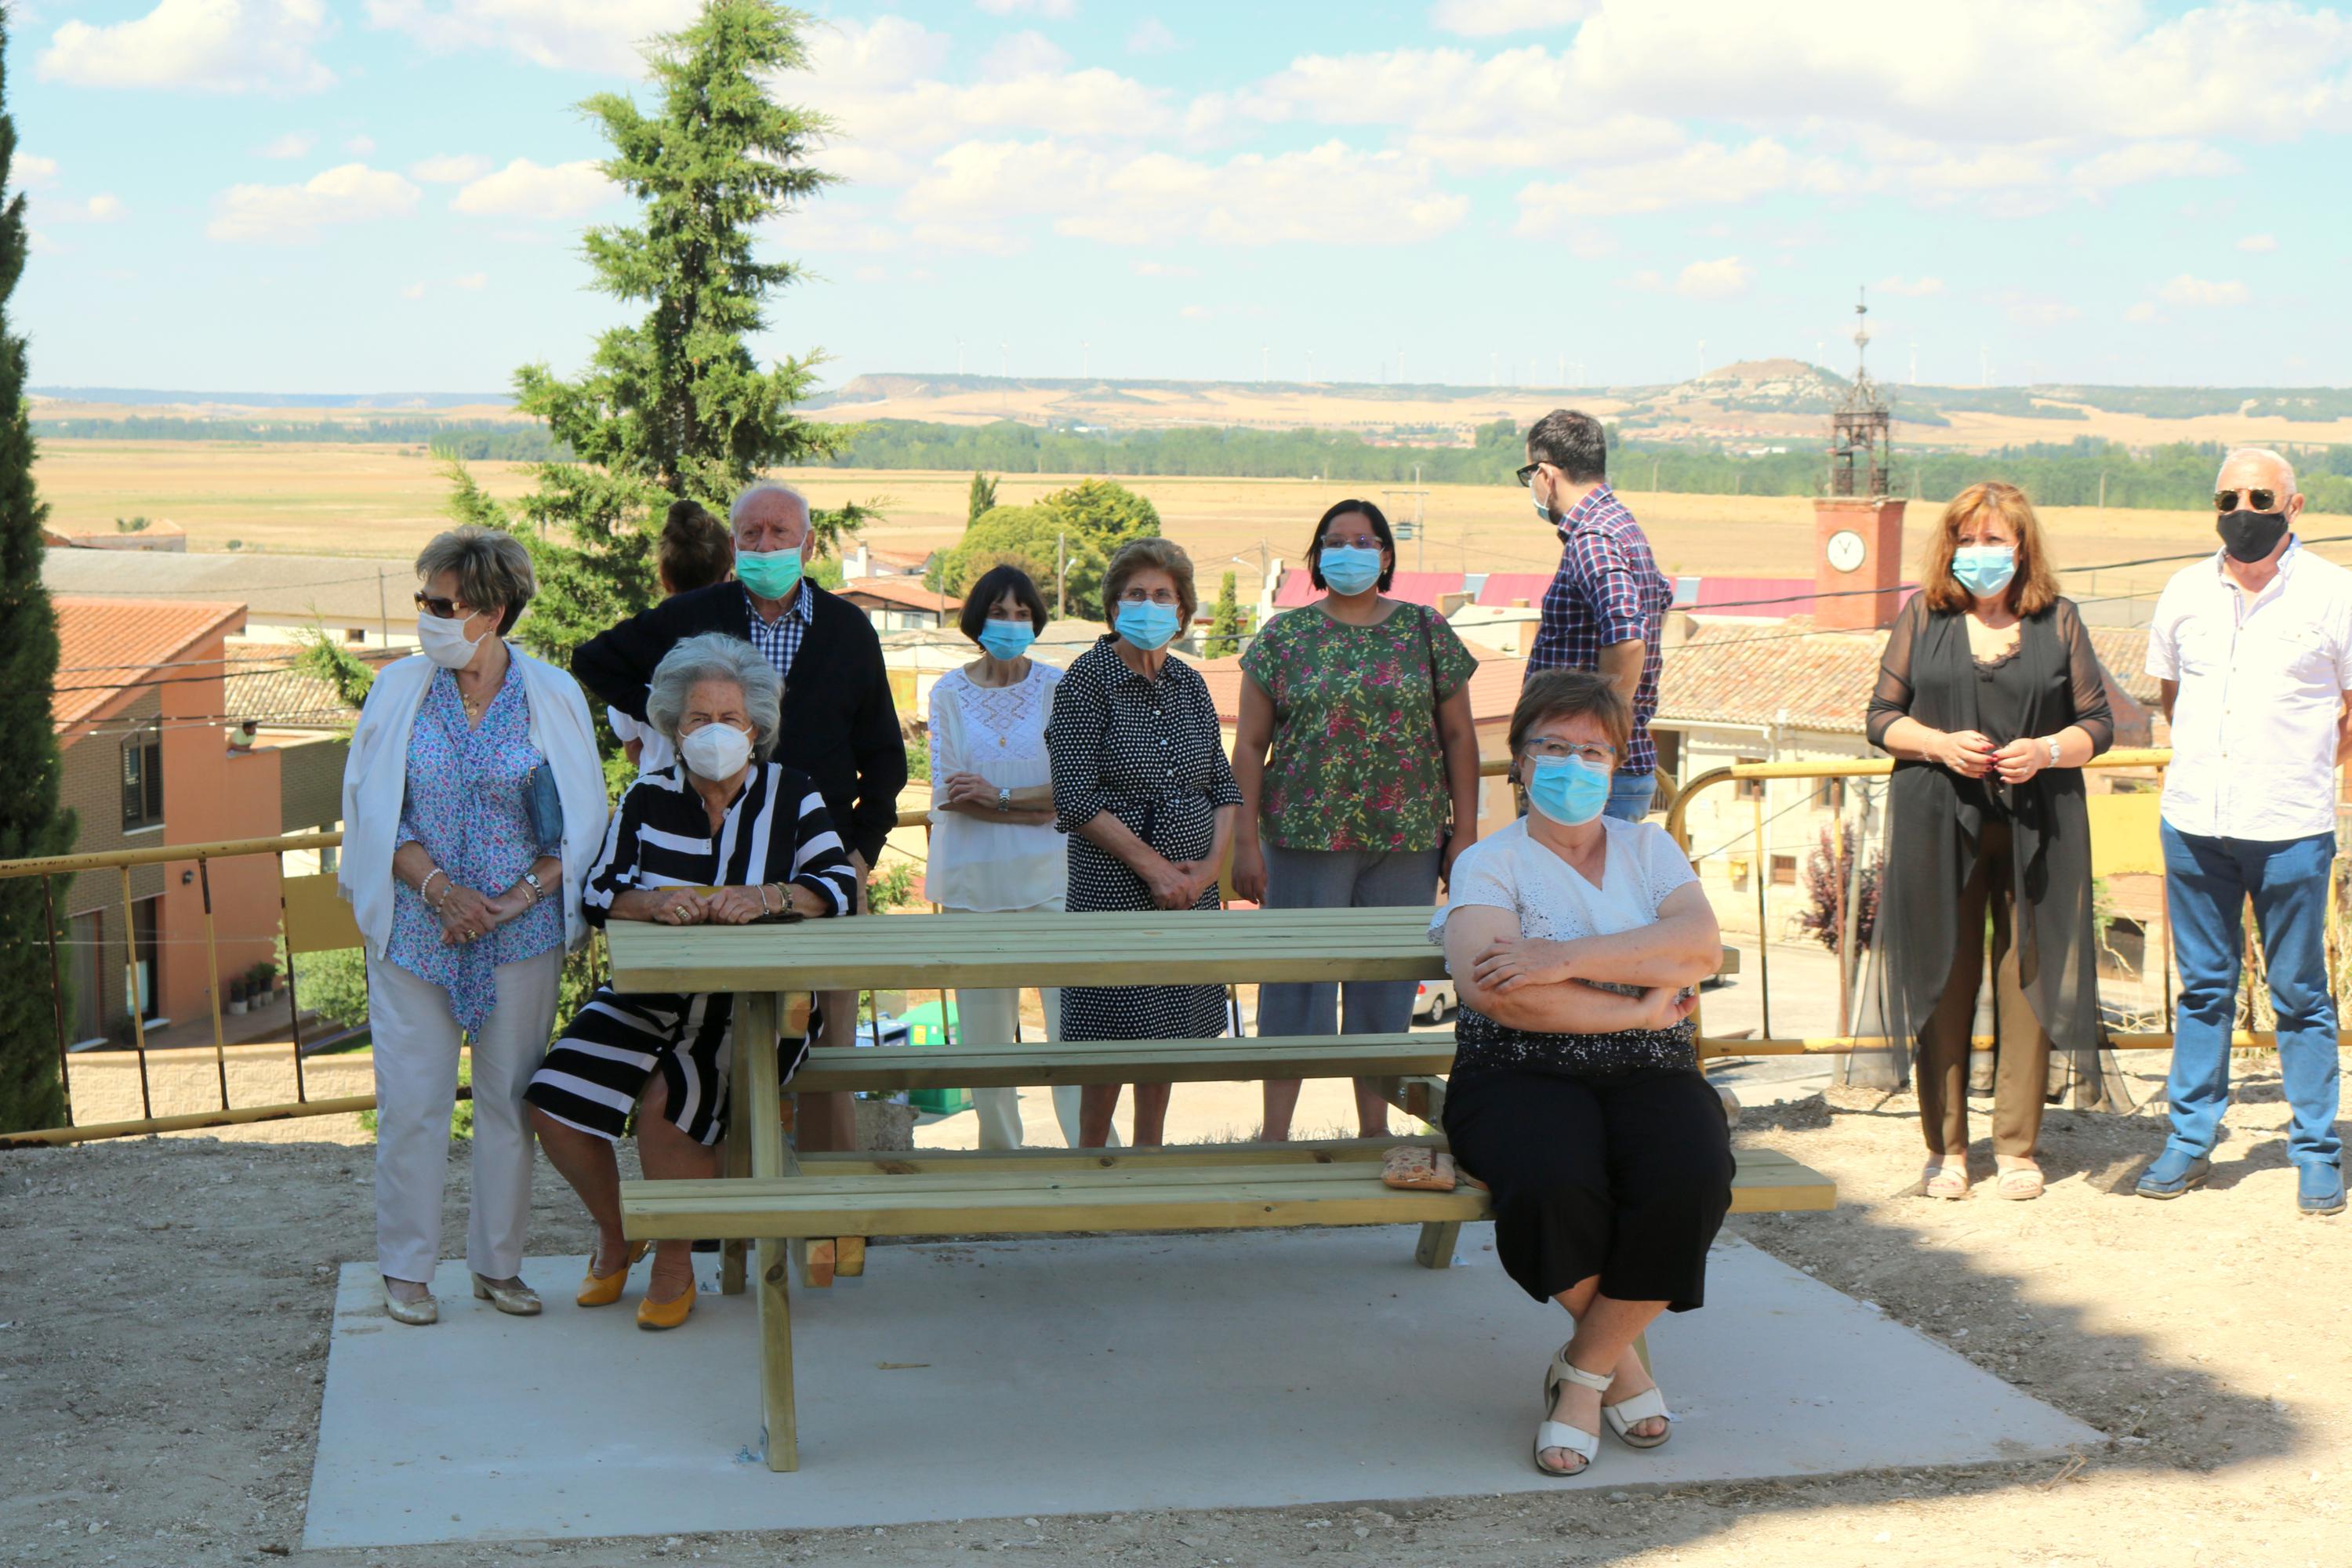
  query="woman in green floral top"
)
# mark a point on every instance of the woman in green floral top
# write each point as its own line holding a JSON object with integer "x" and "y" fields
{"x": 1372, "y": 788}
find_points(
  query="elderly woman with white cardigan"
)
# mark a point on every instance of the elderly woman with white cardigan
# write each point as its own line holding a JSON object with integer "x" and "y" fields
{"x": 473, "y": 803}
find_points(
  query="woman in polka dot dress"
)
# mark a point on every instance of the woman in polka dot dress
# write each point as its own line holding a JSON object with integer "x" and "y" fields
{"x": 1142, "y": 787}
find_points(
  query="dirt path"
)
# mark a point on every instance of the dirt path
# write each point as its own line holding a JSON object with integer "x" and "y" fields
{"x": 165, "y": 1308}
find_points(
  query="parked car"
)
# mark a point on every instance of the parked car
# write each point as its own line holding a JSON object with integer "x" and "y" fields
{"x": 1434, "y": 1001}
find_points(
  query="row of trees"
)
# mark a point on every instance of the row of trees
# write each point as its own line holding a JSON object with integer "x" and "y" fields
{"x": 2177, "y": 476}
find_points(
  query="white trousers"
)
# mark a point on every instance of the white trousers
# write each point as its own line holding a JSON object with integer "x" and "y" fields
{"x": 416, "y": 1040}
{"x": 989, "y": 1018}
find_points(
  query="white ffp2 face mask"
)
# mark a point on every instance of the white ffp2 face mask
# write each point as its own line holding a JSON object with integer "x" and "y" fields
{"x": 444, "y": 642}
{"x": 716, "y": 751}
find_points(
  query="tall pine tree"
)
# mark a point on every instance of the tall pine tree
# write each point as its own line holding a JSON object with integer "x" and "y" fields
{"x": 675, "y": 405}
{"x": 30, "y": 822}
{"x": 981, "y": 498}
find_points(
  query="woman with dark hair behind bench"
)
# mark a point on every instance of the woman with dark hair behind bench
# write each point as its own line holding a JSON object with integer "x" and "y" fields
{"x": 1575, "y": 942}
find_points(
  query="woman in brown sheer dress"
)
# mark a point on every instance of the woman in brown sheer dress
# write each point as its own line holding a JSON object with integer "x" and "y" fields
{"x": 1990, "y": 700}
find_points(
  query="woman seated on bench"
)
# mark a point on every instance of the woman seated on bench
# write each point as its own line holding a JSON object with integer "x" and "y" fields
{"x": 722, "y": 836}
{"x": 1575, "y": 942}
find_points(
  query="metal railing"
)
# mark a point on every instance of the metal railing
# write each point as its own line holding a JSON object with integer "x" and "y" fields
{"x": 1676, "y": 802}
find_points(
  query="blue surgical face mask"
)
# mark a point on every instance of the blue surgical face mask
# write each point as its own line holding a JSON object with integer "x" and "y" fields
{"x": 771, "y": 574}
{"x": 1568, "y": 790}
{"x": 1984, "y": 569}
{"x": 1149, "y": 626}
{"x": 1349, "y": 569}
{"x": 1007, "y": 640}
{"x": 1541, "y": 510}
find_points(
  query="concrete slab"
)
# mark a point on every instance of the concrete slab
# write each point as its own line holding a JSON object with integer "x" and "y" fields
{"x": 1245, "y": 1369}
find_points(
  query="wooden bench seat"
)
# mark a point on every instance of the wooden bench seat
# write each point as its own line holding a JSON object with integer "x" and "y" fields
{"x": 885, "y": 1068}
{"x": 1014, "y": 1195}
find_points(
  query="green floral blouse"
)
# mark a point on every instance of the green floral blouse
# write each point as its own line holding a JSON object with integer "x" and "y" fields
{"x": 1356, "y": 762}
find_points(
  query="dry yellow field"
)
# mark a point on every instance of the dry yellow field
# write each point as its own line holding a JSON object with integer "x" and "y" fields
{"x": 386, "y": 500}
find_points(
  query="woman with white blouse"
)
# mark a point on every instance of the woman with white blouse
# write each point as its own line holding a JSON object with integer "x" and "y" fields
{"x": 994, "y": 848}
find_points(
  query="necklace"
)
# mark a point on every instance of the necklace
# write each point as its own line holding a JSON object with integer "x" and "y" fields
{"x": 475, "y": 707}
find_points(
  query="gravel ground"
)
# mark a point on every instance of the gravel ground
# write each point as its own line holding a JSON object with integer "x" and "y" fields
{"x": 165, "y": 1307}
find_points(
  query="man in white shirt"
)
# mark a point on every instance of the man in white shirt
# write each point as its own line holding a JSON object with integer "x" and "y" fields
{"x": 2254, "y": 651}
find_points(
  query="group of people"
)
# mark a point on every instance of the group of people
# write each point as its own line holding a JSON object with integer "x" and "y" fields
{"x": 481, "y": 848}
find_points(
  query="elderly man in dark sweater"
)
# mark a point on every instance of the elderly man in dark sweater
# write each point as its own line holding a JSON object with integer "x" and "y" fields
{"x": 840, "y": 726}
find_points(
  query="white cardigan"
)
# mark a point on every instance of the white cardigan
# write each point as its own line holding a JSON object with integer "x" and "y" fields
{"x": 375, "y": 786}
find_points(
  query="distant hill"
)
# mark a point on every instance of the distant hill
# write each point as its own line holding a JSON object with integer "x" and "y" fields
{"x": 378, "y": 402}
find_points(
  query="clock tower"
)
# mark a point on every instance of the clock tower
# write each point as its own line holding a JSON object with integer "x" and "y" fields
{"x": 1857, "y": 527}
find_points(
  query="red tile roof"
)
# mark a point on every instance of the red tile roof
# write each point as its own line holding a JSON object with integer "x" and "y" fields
{"x": 1418, "y": 587}
{"x": 902, "y": 591}
{"x": 109, "y": 647}
{"x": 1502, "y": 589}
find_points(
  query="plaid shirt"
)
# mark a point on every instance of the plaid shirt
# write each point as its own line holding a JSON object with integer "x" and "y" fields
{"x": 1608, "y": 589}
{"x": 778, "y": 641}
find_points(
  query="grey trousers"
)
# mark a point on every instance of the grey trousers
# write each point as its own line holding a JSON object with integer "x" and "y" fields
{"x": 1343, "y": 879}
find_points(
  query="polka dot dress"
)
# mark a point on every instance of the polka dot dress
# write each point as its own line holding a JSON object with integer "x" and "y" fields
{"x": 1149, "y": 753}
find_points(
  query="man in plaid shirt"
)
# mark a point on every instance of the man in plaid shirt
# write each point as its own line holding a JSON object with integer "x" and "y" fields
{"x": 1608, "y": 602}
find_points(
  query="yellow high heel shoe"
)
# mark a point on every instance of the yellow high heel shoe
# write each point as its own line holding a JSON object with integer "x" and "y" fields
{"x": 603, "y": 1289}
{"x": 653, "y": 1314}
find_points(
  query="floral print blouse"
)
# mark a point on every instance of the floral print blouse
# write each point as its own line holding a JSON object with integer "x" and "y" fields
{"x": 466, "y": 804}
{"x": 1356, "y": 762}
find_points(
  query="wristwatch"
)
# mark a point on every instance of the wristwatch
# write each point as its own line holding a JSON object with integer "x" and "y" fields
{"x": 2054, "y": 750}
{"x": 1004, "y": 799}
{"x": 538, "y": 888}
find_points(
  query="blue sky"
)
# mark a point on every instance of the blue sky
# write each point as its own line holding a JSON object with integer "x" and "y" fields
{"x": 323, "y": 196}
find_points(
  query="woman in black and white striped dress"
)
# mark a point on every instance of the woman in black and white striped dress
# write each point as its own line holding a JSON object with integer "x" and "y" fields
{"x": 721, "y": 838}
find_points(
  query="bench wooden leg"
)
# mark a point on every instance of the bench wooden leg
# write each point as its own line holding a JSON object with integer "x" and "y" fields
{"x": 731, "y": 1252}
{"x": 780, "y": 1429}
{"x": 816, "y": 1258}
{"x": 850, "y": 1257}
{"x": 1436, "y": 1246}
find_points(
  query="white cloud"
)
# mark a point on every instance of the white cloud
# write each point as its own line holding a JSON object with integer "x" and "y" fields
{"x": 833, "y": 231}
{"x": 1056, "y": 9}
{"x": 1718, "y": 280}
{"x": 471, "y": 280}
{"x": 293, "y": 144}
{"x": 2258, "y": 243}
{"x": 360, "y": 146}
{"x": 1162, "y": 269}
{"x": 1485, "y": 18}
{"x": 450, "y": 169}
{"x": 2143, "y": 311}
{"x": 885, "y": 86}
{"x": 1706, "y": 173}
{"x": 1910, "y": 288}
{"x": 214, "y": 45}
{"x": 353, "y": 193}
{"x": 1151, "y": 37}
{"x": 31, "y": 169}
{"x": 525, "y": 189}
{"x": 560, "y": 35}
{"x": 103, "y": 209}
{"x": 2187, "y": 290}
{"x": 414, "y": 291}
{"x": 1328, "y": 194}
{"x": 2144, "y": 160}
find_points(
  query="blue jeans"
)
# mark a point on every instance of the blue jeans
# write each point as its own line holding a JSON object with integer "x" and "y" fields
{"x": 2206, "y": 883}
{"x": 1629, "y": 795}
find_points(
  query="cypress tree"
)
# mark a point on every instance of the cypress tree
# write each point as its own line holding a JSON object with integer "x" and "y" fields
{"x": 675, "y": 405}
{"x": 981, "y": 497}
{"x": 1225, "y": 623}
{"x": 30, "y": 821}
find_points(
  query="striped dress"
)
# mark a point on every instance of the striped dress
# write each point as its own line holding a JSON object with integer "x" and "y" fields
{"x": 776, "y": 830}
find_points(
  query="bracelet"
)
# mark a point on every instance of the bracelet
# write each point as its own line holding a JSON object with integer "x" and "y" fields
{"x": 428, "y": 882}
{"x": 781, "y": 900}
{"x": 538, "y": 888}
{"x": 2054, "y": 750}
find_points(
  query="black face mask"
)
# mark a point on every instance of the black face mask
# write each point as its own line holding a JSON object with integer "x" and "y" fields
{"x": 2249, "y": 536}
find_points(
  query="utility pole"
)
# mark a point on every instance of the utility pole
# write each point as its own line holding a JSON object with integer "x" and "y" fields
{"x": 1061, "y": 574}
{"x": 382, "y": 617}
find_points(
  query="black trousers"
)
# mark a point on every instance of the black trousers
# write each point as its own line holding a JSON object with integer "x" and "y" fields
{"x": 1628, "y": 1178}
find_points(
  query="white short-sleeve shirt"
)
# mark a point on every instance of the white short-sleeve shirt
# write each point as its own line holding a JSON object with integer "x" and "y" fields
{"x": 2261, "y": 684}
{"x": 1510, "y": 870}
{"x": 998, "y": 733}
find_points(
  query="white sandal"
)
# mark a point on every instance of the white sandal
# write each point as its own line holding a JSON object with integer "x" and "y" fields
{"x": 1551, "y": 1433}
{"x": 1642, "y": 1406}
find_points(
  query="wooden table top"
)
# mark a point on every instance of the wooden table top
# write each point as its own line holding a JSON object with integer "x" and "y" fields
{"x": 928, "y": 952}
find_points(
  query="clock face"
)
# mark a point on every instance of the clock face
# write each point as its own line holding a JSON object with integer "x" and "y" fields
{"x": 1846, "y": 550}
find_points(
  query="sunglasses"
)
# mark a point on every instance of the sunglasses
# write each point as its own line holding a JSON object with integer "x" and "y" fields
{"x": 2256, "y": 501}
{"x": 442, "y": 609}
{"x": 1527, "y": 472}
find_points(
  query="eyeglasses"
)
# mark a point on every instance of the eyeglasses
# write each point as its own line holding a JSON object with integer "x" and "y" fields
{"x": 1157, "y": 596}
{"x": 442, "y": 609}
{"x": 1527, "y": 471}
{"x": 1592, "y": 753}
{"x": 1360, "y": 542}
{"x": 2256, "y": 501}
